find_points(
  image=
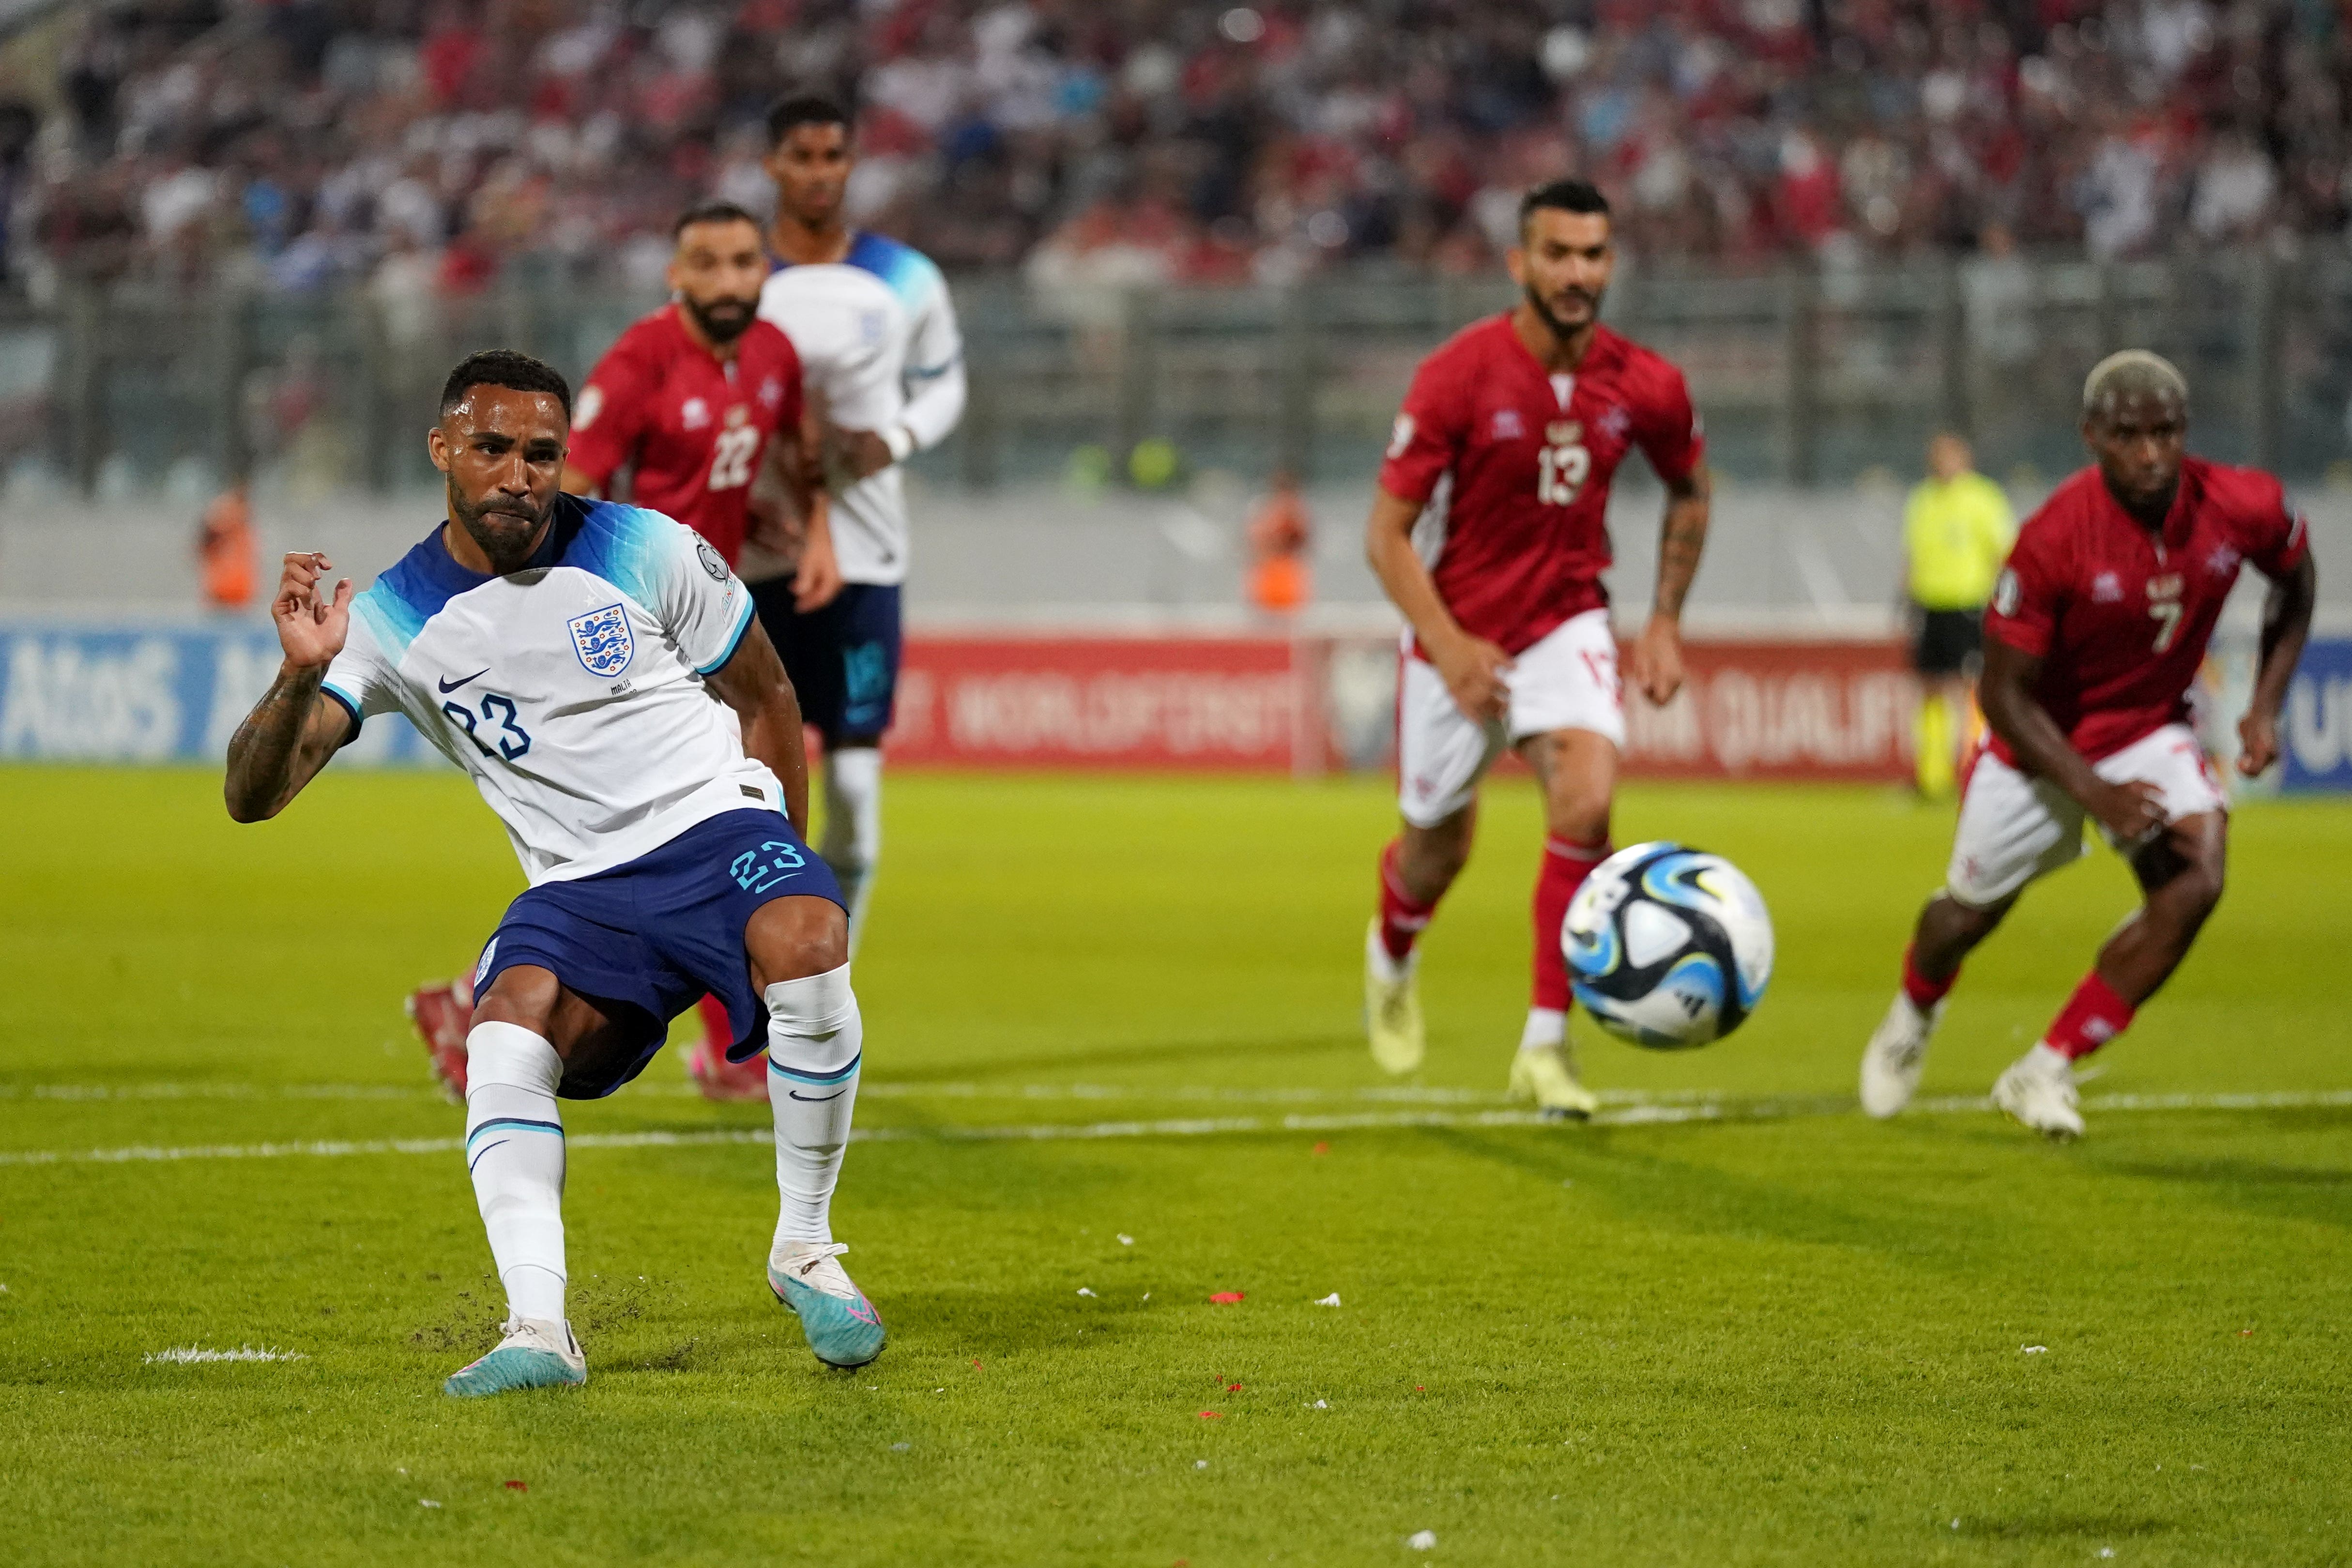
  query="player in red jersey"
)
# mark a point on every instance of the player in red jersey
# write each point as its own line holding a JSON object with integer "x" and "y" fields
{"x": 2095, "y": 633}
{"x": 688, "y": 400}
{"x": 1489, "y": 532}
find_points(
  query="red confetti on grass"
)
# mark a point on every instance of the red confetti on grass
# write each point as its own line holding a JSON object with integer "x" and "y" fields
{"x": 517, "y": 1486}
{"x": 1211, "y": 1416}
{"x": 2244, "y": 1333}
{"x": 1233, "y": 1388}
{"x": 975, "y": 1361}
{"x": 1322, "y": 1148}
{"x": 1226, "y": 1297}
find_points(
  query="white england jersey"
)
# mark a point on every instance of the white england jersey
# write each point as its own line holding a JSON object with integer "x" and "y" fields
{"x": 572, "y": 690}
{"x": 877, "y": 340}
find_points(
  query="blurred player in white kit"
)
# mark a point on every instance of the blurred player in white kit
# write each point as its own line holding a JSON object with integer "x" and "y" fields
{"x": 884, "y": 363}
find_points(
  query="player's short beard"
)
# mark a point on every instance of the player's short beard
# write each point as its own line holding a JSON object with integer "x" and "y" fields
{"x": 505, "y": 527}
{"x": 1561, "y": 329}
{"x": 723, "y": 319}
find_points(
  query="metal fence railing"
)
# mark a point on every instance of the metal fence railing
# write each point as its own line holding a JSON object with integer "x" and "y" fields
{"x": 1805, "y": 376}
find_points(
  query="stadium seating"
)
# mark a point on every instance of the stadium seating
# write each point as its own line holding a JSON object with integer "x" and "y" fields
{"x": 427, "y": 149}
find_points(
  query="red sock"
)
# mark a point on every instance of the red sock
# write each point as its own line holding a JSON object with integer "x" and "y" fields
{"x": 1565, "y": 867}
{"x": 717, "y": 1031}
{"x": 2093, "y": 1016}
{"x": 1923, "y": 992}
{"x": 1401, "y": 919}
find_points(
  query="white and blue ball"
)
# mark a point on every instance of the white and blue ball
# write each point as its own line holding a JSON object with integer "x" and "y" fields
{"x": 1668, "y": 948}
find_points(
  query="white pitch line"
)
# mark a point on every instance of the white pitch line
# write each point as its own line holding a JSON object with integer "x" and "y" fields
{"x": 885, "y": 1090}
{"x": 1653, "y": 1114}
{"x": 190, "y": 1354}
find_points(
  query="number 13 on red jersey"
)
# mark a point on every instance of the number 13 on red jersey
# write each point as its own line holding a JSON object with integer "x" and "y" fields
{"x": 1560, "y": 472}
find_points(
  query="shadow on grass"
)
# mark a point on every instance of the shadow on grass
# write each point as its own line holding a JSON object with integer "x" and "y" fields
{"x": 2272, "y": 1191}
{"x": 1704, "y": 1200}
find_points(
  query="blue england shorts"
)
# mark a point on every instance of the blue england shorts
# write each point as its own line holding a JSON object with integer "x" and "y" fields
{"x": 843, "y": 659}
{"x": 647, "y": 939}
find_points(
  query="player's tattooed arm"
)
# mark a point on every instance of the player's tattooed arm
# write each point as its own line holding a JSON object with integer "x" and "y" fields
{"x": 2131, "y": 813}
{"x": 754, "y": 684}
{"x": 1683, "y": 539}
{"x": 1657, "y": 662}
{"x": 2286, "y": 626}
{"x": 296, "y": 728}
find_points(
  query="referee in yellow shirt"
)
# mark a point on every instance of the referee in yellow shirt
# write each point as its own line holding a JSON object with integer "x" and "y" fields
{"x": 1956, "y": 529}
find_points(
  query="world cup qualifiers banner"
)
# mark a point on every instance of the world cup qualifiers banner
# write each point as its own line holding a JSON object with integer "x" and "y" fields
{"x": 1817, "y": 710}
{"x": 1756, "y": 709}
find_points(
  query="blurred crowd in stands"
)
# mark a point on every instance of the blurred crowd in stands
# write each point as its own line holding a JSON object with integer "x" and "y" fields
{"x": 423, "y": 148}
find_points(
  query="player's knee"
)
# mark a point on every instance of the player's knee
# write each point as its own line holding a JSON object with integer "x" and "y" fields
{"x": 1578, "y": 815}
{"x": 792, "y": 938}
{"x": 2195, "y": 892}
{"x": 1429, "y": 859}
{"x": 1950, "y": 922}
{"x": 524, "y": 996}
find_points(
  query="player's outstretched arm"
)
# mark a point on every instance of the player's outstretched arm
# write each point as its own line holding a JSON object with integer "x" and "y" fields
{"x": 296, "y": 728}
{"x": 1473, "y": 668}
{"x": 1656, "y": 664}
{"x": 2130, "y": 812}
{"x": 2286, "y": 626}
{"x": 754, "y": 684}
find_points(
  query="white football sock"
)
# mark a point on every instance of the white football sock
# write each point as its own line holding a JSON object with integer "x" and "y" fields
{"x": 852, "y": 827}
{"x": 1545, "y": 1026}
{"x": 815, "y": 1045}
{"x": 514, "y": 1150}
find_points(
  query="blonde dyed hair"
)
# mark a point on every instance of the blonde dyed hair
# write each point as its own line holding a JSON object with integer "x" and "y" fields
{"x": 2131, "y": 373}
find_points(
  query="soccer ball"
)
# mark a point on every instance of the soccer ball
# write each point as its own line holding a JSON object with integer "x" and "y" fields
{"x": 1668, "y": 946}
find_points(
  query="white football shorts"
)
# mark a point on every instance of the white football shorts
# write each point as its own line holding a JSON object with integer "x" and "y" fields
{"x": 2014, "y": 829}
{"x": 1566, "y": 681}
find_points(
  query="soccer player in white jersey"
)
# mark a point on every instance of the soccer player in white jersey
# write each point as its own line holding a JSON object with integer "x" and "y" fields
{"x": 597, "y": 671}
{"x": 884, "y": 361}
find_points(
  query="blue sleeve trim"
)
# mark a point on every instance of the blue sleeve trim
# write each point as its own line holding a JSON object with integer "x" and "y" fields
{"x": 734, "y": 638}
{"x": 928, "y": 372}
{"x": 351, "y": 706}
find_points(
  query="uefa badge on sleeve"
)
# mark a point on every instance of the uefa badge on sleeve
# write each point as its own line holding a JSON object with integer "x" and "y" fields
{"x": 602, "y": 640}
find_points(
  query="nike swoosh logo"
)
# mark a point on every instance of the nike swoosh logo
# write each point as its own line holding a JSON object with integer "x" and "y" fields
{"x": 448, "y": 686}
{"x": 817, "y": 1099}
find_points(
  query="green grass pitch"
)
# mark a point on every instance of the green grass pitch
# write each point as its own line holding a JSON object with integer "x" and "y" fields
{"x": 1784, "y": 1334}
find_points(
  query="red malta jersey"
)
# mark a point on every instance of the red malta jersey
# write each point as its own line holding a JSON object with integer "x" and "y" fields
{"x": 1513, "y": 464}
{"x": 695, "y": 426}
{"x": 2120, "y": 616}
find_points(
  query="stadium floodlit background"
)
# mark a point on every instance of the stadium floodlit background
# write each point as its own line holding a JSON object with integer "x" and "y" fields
{"x": 1111, "y": 977}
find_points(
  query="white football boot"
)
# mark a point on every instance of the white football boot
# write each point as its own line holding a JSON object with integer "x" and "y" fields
{"x": 1897, "y": 1052}
{"x": 843, "y": 1328}
{"x": 1392, "y": 1006}
{"x": 2038, "y": 1090}
{"x": 1545, "y": 1073}
{"x": 537, "y": 1353}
